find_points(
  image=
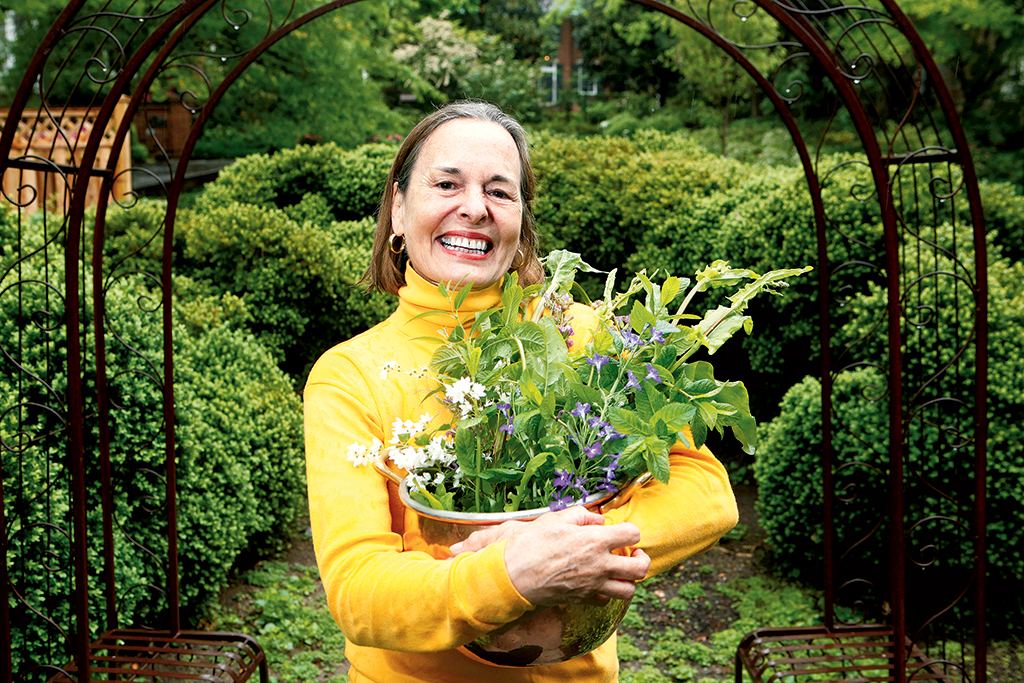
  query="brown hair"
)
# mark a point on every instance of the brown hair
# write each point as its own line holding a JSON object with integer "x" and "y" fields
{"x": 386, "y": 272}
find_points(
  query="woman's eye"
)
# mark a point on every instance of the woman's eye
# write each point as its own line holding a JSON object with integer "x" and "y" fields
{"x": 501, "y": 194}
{"x": 446, "y": 185}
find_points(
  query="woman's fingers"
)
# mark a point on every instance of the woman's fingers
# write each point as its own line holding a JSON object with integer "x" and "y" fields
{"x": 479, "y": 540}
{"x": 567, "y": 556}
{"x": 554, "y": 563}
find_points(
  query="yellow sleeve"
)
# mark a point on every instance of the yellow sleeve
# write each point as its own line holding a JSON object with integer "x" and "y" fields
{"x": 684, "y": 517}
{"x": 380, "y": 595}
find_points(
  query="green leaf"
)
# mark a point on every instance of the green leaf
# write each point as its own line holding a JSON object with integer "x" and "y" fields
{"x": 676, "y": 415}
{"x": 499, "y": 474}
{"x": 657, "y": 458}
{"x": 536, "y": 462}
{"x": 460, "y": 297}
{"x": 649, "y": 401}
{"x": 708, "y": 414}
{"x": 563, "y": 266}
{"x": 465, "y": 451}
{"x": 586, "y": 394}
{"x": 745, "y": 426}
{"x": 639, "y": 317}
{"x": 670, "y": 290}
{"x": 628, "y": 422}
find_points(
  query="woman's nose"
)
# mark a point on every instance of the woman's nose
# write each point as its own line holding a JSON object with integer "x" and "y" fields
{"x": 474, "y": 206}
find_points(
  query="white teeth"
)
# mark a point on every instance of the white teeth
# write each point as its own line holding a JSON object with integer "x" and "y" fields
{"x": 466, "y": 244}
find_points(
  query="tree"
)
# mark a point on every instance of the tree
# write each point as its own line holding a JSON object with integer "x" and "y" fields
{"x": 322, "y": 81}
{"x": 719, "y": 79}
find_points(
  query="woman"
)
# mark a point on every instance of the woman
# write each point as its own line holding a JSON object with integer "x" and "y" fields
{"x": 457, "y": 209}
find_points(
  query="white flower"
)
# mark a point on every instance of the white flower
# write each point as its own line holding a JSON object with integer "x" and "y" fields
{"x": 408, "y": 458}
{"x": 437, "y": 451}
{"x": 390, "y": 365}
{"x": 358, "y": 455}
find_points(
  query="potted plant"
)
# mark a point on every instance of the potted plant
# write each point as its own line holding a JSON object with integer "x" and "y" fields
{"x": 544, "y": 416}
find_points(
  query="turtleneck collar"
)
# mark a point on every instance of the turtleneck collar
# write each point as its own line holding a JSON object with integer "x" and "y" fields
{"x": 420, "y": 296}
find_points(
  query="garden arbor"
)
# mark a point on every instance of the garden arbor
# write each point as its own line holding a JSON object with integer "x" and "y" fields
{"x": 66, "y": 479}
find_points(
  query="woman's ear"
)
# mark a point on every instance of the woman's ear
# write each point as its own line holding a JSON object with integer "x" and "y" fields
{"x": 397, "y": 226}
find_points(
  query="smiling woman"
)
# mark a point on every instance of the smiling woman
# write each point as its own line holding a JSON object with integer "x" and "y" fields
{"x": 461, "y": 212}
{"x": 476, "y": 162}
{"x": 456, "y": 210}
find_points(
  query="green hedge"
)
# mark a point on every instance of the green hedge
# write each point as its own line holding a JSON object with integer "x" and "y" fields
{"x": 288, "y": 236}
{"x": 239, "y": 446}
{"x": 350, "y": 182}
{"x": 788, "y": 461}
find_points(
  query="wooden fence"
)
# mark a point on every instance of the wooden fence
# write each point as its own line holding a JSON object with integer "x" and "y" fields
{"x": 56, "y": 138}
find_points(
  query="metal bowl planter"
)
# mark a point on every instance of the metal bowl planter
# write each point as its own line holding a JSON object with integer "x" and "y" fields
{"x": 542, "y": 636}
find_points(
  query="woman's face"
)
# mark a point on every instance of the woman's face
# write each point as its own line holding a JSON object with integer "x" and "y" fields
{"x": 462, "y": 212}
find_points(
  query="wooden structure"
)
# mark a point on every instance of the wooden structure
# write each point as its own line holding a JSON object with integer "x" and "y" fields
{"x": 863, "y": 60}
{"x": 50, "y": 144}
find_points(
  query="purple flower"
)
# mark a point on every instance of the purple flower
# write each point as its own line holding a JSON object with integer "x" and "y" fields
{"x": 507, "y": 428}
{"x": 633, "y": 383}
{"x": 631, "y": 339}
{"x": 581, "y": 409}
{"x": 609, "y": 433}
{"x": 563, "y": 479}
{"x": 598, "y": 361}
{"x": 607, "y": 486}
{"x": 560, "y": 503}
{"x": 593, "y": 450}
{"x": 657, "y": 336}
{"x": 596, "y": 422}
{"x": 609, "y": 469}
{"x": 652, "y": 374}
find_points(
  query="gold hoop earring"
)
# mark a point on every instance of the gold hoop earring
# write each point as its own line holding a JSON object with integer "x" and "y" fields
{"x": 391, "y": 243}
{"x": 522, "y": 260}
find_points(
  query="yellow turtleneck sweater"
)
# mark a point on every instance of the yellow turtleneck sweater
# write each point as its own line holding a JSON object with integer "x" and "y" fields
{"x": 403, "y": 612}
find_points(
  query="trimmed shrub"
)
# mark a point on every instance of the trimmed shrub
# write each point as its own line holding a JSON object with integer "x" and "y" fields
{"x": 788, "y": 467}
{"x": 296, "y": 279}
{"x": 600, "y": 196}
{"x": 239, "y": 447}
{"x": 350, "y": 182}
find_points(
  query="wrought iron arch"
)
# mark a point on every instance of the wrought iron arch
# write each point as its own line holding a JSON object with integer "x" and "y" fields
{"x": 915, "y": 160}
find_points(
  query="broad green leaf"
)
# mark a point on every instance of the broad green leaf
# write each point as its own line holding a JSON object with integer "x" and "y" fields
{"x": 640, "y": 317}
{"x": 718, "y": 326}
{"x": 586, "y": 394}
{"x": 536, "y": 462}
{"x": 499, "y": 474}
{"x": 628, "y": 422}
{"x": 649, "y": 401}
{"x": 563, "y": 266}
{"x": 657, "y": 458}
{"x": 745, "y": 426}
{"x": 555, "y": 353}
{"x": 670, "y": 290}
{"x": 547, "y": 406}
{"x": 698, "y": 370}
{"x": 708, "y": 414}
{"x": 676, "y": 415}
{"x": 465, "y": 451}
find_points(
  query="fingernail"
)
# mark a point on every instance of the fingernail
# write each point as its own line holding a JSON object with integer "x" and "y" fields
{"x": 456, "y": 548}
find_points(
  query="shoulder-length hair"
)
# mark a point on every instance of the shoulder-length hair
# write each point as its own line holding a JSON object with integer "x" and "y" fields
{"x": 386, "y": 272}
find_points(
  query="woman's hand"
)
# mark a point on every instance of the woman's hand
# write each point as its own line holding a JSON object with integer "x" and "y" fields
{"x": 566, "y": 557}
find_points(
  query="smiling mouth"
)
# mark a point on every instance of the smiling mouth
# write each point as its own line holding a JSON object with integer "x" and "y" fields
{"x": 465, "y": 245}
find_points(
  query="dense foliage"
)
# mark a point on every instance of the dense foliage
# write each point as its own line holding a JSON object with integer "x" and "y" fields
{"x": 239, "y": 446}
{"x": 788, "y": 468}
